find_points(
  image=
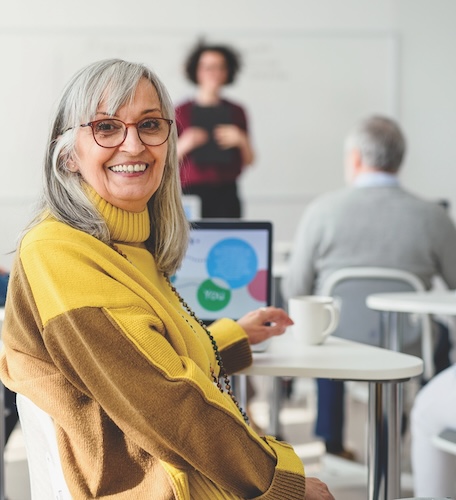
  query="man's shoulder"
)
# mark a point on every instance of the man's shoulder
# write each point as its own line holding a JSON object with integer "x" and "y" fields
{"x": 365, "y": 197}
{"x": 328, "y": 200}
{"x": 416, "y": 202}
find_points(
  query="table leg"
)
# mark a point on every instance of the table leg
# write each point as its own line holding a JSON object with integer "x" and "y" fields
{"x": 239, "y": 386}
{"x": 375, "y": 424}
{"x": 274, "y": 408}
{"x": 393, "y": 400}
{"x": 390, "y": 328}
{"x": 384, "y": 441}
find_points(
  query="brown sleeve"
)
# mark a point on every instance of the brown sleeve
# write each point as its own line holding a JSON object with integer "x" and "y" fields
{"x": 233, "y": 344}
{"x": 170, "y": 413}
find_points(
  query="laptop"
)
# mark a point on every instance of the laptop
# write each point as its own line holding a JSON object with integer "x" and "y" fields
{"x": 226, "y": 272}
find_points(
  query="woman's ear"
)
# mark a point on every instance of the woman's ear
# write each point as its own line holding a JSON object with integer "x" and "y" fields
{"x": 71, "y": 165}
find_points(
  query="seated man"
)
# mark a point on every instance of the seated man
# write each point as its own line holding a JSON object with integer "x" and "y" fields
{"x": 11, "y": 417}
{"x": 374, "y": 222}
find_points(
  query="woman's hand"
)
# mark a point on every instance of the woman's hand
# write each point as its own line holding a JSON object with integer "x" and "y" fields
{"x": 229, "y": 136}
{"x": 265, "y": 322}
{"x": 190, "y": 139}
{"x": 316, "y": 490}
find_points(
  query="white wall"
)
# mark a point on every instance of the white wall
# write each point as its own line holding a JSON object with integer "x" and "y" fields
{"x": 314, "y": 66}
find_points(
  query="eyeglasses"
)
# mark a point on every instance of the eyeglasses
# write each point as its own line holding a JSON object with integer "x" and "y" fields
{"x": 111, "y": 133}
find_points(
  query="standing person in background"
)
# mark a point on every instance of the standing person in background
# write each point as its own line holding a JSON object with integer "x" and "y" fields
{"x": 213, "y": 145}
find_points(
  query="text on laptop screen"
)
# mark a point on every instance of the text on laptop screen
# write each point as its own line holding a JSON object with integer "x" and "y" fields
{"x": 227, "y": 269}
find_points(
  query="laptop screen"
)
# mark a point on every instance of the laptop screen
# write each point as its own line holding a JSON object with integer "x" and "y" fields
{"x": 226, "y": 271}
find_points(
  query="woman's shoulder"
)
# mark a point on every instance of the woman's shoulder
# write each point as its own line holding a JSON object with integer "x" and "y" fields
{"x": 233, "y": 104}
{"x": 183, "y": 105}
{"x": 50, "y": 229}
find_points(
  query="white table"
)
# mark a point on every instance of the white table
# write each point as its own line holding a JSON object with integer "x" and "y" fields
{"x": 340, "y": 359}
{"x": 391, "y": 305}
{"x": 434, "y": 302}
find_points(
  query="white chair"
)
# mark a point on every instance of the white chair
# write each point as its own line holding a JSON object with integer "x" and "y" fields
{"x": 350, "y": 287}
{"x": 45, "y": 470}
{"x": 446, "y": 441}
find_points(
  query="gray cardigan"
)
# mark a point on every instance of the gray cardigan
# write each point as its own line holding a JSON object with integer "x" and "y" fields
{"x": 371, "y": 226}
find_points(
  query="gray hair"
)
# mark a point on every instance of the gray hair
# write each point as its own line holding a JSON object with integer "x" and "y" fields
{"x": 380, "y": 142}
{"x": 114, "y": 82}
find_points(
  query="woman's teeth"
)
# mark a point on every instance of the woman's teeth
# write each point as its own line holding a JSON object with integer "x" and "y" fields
{"x": 129, "y": 168}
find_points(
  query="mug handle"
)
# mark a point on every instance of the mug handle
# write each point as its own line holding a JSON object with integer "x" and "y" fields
{"x": 334, "y": 319}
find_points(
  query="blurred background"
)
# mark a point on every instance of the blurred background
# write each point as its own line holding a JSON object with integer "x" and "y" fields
{"x": 311, "y": 68}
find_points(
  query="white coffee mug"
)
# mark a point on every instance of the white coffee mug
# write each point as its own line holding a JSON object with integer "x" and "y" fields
{"x": 314, "y": 317}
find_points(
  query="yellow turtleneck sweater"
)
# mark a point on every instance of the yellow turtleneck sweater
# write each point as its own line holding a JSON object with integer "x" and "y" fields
{"x": 102, "y": 344}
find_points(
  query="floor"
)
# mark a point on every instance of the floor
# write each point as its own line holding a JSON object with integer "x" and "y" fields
{"x": 347, "y": 480}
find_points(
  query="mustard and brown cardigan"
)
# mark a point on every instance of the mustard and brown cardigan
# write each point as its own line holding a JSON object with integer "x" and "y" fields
{"x": 102, "y": 344}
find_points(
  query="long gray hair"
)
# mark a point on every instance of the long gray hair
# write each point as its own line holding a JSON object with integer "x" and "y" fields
{"x": 114, "y": 82}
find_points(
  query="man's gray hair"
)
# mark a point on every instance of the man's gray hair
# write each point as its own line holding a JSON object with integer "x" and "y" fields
{"x": 380, "y": 142}
{"x": 114, "y": 83}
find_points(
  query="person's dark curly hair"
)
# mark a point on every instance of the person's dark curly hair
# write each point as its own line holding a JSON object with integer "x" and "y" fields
{"x": 232, "y": 58}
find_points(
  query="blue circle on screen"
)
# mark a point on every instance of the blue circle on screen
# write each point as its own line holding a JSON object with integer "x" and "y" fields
{"x": 234, "y": 261}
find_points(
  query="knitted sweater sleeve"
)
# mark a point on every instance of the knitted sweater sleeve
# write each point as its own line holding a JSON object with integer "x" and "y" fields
{"x": 113, "y": 369}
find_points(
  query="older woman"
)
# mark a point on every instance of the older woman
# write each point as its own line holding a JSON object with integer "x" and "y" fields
{"x": 96, "y": 335}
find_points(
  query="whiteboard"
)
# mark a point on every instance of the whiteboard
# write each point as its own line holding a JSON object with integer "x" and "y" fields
{"x": 302, "y": 92}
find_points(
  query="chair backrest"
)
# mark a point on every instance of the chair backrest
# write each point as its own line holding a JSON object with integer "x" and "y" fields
{"x": 446, "y": 440}
{"x": 45, "y": 470}
{"x": 350, "y": 287}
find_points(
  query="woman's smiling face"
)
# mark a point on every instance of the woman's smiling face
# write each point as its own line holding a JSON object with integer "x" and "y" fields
{"x": 128, "y": 175}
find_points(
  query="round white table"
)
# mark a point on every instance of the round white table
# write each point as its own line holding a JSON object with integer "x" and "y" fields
{"x": 391, "y": 305}
{"x": 340, "y": 359}
{"x": 434, "y": 302}
{"x": 431, "y": 302}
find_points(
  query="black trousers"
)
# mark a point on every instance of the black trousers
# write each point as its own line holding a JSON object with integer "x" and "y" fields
{"x": 217, "y": 201}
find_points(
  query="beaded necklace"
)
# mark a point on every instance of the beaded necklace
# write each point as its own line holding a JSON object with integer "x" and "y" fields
{"x": 218, "y": 357}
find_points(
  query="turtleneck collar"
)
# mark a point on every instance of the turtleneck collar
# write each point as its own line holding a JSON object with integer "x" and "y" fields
{"x": 124, "y": 226}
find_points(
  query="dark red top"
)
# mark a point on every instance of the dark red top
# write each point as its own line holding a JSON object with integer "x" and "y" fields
{"x": 213, "y": 172}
